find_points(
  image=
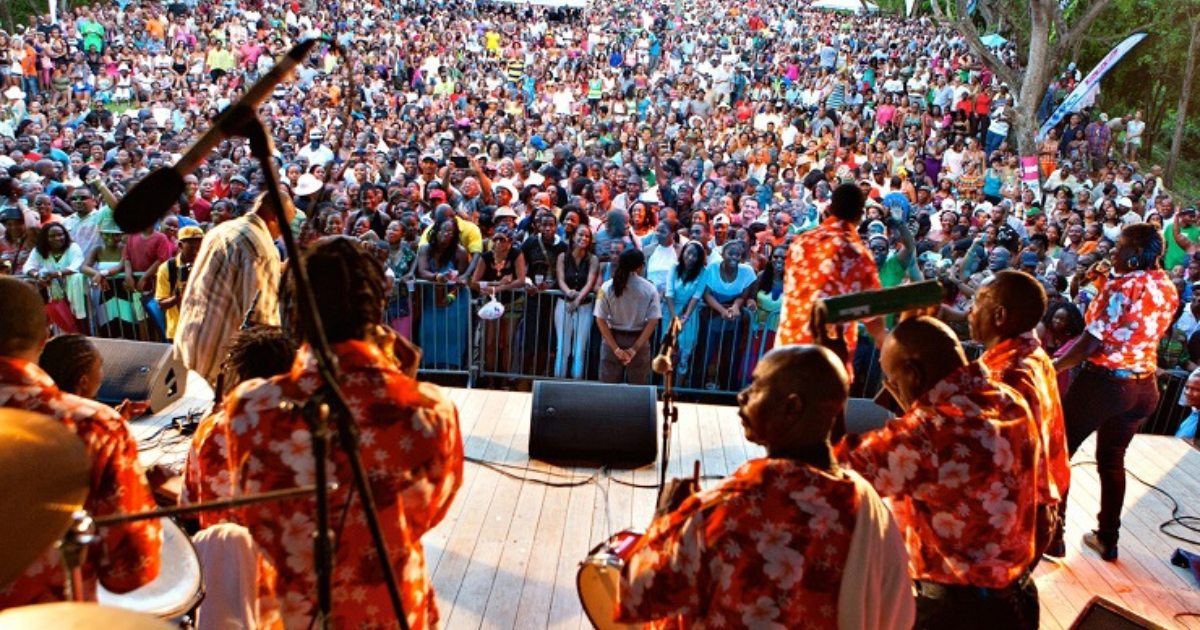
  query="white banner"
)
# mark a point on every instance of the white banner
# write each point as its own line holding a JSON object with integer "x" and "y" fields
{"x": 1075, "y": 100}
{"x": 909, "y": 5}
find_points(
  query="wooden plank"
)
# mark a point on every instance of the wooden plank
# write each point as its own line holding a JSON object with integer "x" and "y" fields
{"x": 470, "y": 404}
{"x": 516, "y": 546}
{"x": 1117, "y": 580}
{"x": 456, "y": 560}
{"x": 484, "y": 569}
{"x": 565, "y": 611}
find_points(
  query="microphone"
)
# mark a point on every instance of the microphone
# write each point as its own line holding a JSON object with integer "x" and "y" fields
{"x": 148, "y": 200}
{"x": 867, "y": 304}
{"x": 662, "y": 363}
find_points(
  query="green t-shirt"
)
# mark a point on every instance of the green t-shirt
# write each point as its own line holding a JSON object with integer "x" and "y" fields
{"x": 1175, "y": 254}
{"x": 891, "y": 274}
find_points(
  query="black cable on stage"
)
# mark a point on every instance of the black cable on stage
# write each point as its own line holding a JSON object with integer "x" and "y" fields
{"x": 500, "y": 468}
{"x": 1188, "y": 522}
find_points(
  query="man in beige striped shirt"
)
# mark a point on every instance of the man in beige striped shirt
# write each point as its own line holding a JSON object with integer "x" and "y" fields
{"x": 237, "y": 265}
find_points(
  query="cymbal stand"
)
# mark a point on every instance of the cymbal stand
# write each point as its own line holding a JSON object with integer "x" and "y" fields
{"x": 73, "y": 549}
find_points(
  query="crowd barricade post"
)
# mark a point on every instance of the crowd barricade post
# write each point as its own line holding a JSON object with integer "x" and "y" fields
{"x": 442, "y": 318}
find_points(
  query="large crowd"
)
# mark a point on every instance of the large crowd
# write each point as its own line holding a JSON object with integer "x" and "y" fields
{"x": 514, "y": 151}
{"x": 532, "y": 191}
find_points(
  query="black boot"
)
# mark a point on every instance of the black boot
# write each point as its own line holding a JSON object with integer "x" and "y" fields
{"x": 1107, "y": 550}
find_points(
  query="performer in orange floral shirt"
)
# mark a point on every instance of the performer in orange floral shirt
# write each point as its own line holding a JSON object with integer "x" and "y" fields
{"x": 1007, "y": 309}
{"x": 410, "y": 444}
{"x": 827, "y": 261}
{"x": 789, "y": 541}
{"x": 127, "y": 556}
{"x": 1116, "y": 390}
{"x": 257, "y": 352}
{"x": 961, "y": 464}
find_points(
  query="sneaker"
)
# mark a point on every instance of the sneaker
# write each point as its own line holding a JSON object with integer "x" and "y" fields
{"x": 1108, "y": 553}
{"x": 1056, "y": 549}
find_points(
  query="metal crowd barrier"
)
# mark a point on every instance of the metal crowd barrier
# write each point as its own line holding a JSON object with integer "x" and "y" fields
{"x": 113, "y": 312}
{"x": 539, "y": 338}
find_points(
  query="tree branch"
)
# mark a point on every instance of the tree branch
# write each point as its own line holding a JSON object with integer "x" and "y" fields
{"x": 963, "y": 24}
{"x": 1081, "y": 26}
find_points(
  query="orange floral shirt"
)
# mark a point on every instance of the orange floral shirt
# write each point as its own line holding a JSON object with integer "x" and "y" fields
{"x": 1129, "y": 315}
{"x": 127, "y": 556}
{"x": 208, "y": 473}
{"x": 765, "y": 548}
{"x": 412, "y": 449}
{"x": 826, "y": 261}
{"x": 1023, "y": 365}
{"x": 962, "y": 466}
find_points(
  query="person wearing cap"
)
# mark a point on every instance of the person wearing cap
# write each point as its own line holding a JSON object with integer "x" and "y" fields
{"x": 172, "y": 278}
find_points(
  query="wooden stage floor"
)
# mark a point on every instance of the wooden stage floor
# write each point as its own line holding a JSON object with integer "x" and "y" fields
{"x": 506, "y": 554}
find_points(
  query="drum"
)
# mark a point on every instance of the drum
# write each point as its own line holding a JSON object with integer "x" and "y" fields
{"x": 598, "y": 577}
{"x": 179, "y": 586}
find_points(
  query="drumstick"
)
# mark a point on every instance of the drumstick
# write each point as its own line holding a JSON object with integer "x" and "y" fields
{"x": 696, "y": 473}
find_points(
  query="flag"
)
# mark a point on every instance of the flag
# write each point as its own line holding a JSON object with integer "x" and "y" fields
{"x": 1074, "y": 101}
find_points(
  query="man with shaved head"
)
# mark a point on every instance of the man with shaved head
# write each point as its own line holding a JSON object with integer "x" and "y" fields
{"x": 126, "y": 556}
{"x": 961, "y": 466}
{"x": 790, "y": 540}
{"x": 1007, "y": 309}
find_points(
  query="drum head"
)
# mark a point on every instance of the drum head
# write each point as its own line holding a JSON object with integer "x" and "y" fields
{"x": 597, "y": 584}
{"x": 178, "y": 587}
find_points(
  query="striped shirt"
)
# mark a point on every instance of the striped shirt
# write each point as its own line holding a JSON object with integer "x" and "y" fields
{"x": 237, "y": 260}
{"x": 516, "y": 69}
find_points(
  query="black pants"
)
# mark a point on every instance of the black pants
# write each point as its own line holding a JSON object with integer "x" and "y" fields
{"x": 941, "y": 607}
{"x": 1112, "y": 408}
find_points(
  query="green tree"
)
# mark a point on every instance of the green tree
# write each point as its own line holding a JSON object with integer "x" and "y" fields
{"x": 1044, "y": 34}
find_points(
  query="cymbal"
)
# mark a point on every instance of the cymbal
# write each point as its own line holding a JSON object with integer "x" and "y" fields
{"x": 73, "y": 616}
{"x": 44, "y": 473}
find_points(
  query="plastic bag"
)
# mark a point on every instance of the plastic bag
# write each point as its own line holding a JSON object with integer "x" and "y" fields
{"x": 493, "y": 310}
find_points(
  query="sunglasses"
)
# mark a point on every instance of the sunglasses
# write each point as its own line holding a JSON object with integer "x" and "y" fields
{"x": 80, "y": 198}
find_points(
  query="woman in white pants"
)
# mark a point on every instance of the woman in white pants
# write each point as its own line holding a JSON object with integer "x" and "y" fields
{"x": 578, "y": 270}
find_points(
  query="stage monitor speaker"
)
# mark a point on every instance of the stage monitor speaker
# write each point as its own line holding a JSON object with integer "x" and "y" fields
{"x": 1102, "y": 614}
{"x": 578, "y": 424}
{"x": 863, "y": 415}
{"x": 140, "y": 370}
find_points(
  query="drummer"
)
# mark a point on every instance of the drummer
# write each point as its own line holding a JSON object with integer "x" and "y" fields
{"x": 787, "y": 541}
{"x": 126, "y": 556}
{"x": 257, "y": 352}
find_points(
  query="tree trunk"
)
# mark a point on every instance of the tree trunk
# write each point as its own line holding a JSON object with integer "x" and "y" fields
{"x": 6, "y": 19}
{"x": 1042, "y": 63}
{"x": 1185, "y": 91}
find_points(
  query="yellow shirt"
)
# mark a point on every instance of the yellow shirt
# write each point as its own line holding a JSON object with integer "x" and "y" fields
{"x": 469, "y": 236}
{"x": 164, "y": 290}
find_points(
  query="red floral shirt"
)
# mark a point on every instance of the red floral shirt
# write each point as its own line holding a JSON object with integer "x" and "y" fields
{"x": 127, "y": 556}
{"x": 826, "y": 261}
{"x": 962, "y": 465}
{"x": 208, "y": 473}
{"x": 412, "y": 450}
{"x": 765, "y": 548}
{"x": 1023, "y": 365}
{"x": 1129, "y": 316}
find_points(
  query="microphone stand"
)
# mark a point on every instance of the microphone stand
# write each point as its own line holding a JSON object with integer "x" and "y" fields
{"x": 328, "y": 403}
{"x": 670, "y": 412}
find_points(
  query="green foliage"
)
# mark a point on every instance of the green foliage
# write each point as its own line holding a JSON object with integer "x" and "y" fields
{"x": 1148, "y": 78}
